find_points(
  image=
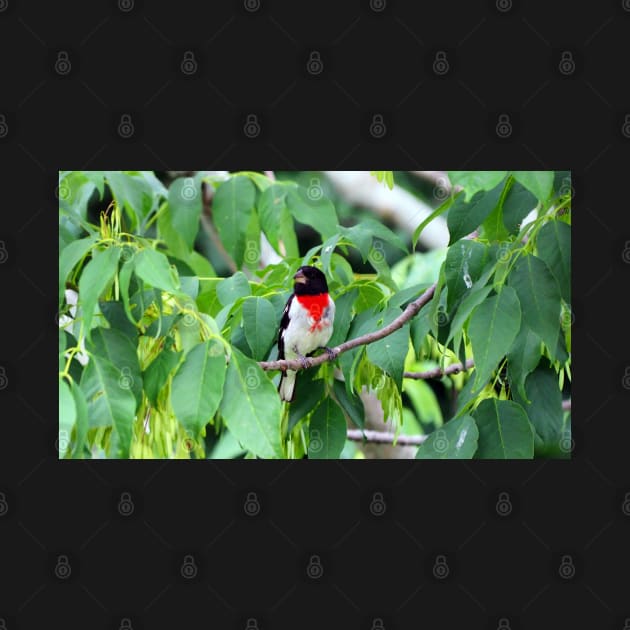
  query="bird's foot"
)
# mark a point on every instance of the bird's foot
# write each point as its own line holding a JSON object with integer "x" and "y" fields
{"x": 305, "y": 361}
{"x": 332, "y": 354}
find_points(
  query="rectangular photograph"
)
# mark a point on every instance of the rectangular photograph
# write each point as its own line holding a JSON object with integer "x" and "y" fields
{"x": 315, "y": 315}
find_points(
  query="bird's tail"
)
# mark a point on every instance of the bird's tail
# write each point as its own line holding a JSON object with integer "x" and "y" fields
{"x": 287, "y": 385}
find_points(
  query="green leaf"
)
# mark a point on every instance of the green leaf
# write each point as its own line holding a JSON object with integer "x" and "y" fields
{"x": 318, "y": 212}
{"x": 67, "y": 417}
{"x": 504, "y": 430}
{"x": 538, "y": 182}
{"x": 518, "y": 203}
{"x": 420, "y": 326}
{"x": 198, "y": 385}
{"x": 132, "y": 193}
{"x": 441, "y": 209}
{"x": 114, "y": 313}
{"x": 184, "y": 205}
{"x": 251, "y": 407}
{"x": 464, "y": 263}
{"x": 553, "y": 244}
{"x": 276, "y": 220}
{"x": 232, "y": 208}
{"x": 82, "y": 419}
{"x": 109, "y": 402}
{"x": 327, "y": 431}
{"x": 118, "y": 349}
{"x": 474, "y": 181}
{"x": 493, "y": 327}
{"x": 260, "y": 326}
{"x": 523, "y": 357}
{"x": 343, "y": 317}
{"x": 456, "y": 440}
{"x": 97, "y": 274}
{"x": 464, "y": 217}
{"x": 156, "y": 375}
{"x": 231, "y": 289}
{"x": 475, "y": 297}
{"x": 545, "y": 407}
{"x": 424, "y": 401}
{"x": 68, "y": 259}
{"x": 539, "y": 296}
{"x": 310, "y": 392}
{"x": 389, "y": 353}
{"x": 352, "y": 405}
{"x": 154, "y": 268}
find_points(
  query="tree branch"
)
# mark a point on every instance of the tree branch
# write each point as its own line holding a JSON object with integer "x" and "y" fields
{"x": 383, "y": 437}
{"x": 411, "y": 310}
{"x": 436, "y": 372}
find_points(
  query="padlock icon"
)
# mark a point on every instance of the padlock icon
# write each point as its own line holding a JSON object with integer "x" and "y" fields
{"x": 504, "y": 624}
{"x": 62, "y": 64}
{"x": 4, "y": 128}
{"x": 566, "y": 569}
{"x": 315, "y": 191}
{"x": 4, "y": 381}
{"x": 126, "y": 379}
{"x": 567, "y": 64}
{"x": 626, "y": 625}
{"x": 251, "y": 505}
{"x": 189, "y": 63}
{"x": 378, "y": 624}
{"x": 4, "y": 5}
{"x": 314, "y": 65}
{"x": 378, "y": 5}
{"x": 252, "y": 127}
{"x": 252, "y": 253}
{"x": 125, "y": 127}
{"x": 63, "y": 570}
{"x": 189, "y": 568}
{"x": 504, "y": 126}
{"x": 504, "y": 505}
{"x": 315, "y": 570}
{"x": 625, "y": 254}
{"x": 252, "y": 380}
{"x": 62, "y": 442}
{"x": 378, "y": 505}
{"x": 504, "y": 5}
{"x": 440, "y": 63}
{"x": 251, "y": 624}
{"x": 3, "y": 623}
{"x": 4, "y": 506}
{"x": 440, "y": 568}
{"x": 252, "y": 5}
{"x": 377, "y": 127}
{"x": 626, "y": 378}
{"x": 125, "y": 5}
{"x": 4, "y": 254}
{"x": 125, "y": 624}
{"x": 625, "y": 506}
{"x": 189, "y": 192}
{"x": 315, "y": 443}
{"x": 440, "y": 443}
{"x": 125, "y": 504}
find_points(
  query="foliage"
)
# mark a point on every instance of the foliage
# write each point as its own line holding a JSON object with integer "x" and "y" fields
{"x": 159, "y": 357}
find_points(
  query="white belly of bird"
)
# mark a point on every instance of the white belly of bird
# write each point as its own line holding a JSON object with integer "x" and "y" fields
{"x": 319, "y": 332}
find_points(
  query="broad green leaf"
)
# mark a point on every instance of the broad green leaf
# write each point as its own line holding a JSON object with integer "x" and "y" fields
{"x": 82, "y": 419}
{"x": 251, "y": 407}
{"x": 441, "y": 209}
{"x": 328, "y": 249}
{"x": 343, "y": 317}
{"x": 156, "y": 375}
{"x": 124, "y": 282}
{"x": 504, "y": 430}
{"x": 553, "y": 244}
{"x": 493, "y": 228}
{"x": 67, "y": 417}
{"x": 276, "y": 220}
{"x": 132, "y": 193}
{"x": 260, "y": 326}
{"x": 153, "y": 267}
{"x": 456, "y": 440}
{"x": 464, "y": 217}
{"x": 184, "y": 205}
{"x": 389, "y": 353}
{"x": 420, "y": 326}
{"x": 327, "y": 431}
{"x": 518, "y": 203}
{"x": 110, "y": 403}
{"x": 545, "y": 407}
{"x": 309, "y": 392}
{"x": 539, "y": 296}
{"x": 351, "y": 404}
{"x": 464, "y": 263}
{"x": 114, "y": 313}
{"x": 68, "y": 259}
{"x": 424, "y": 401}
{"x": 197, "y": 386}
{"x": 118, "y": 349}
{"x": 474, "y": 181}
{"x": 232, "y": 288}
{"x": 537, "y": 182}
{"x": 493, "y": 327}
{"x": 523, "y": 357}
{"x": 232, "y": 208}
{"x": 475, "y": 297}
{"x": 318, "y": 212}
{"x": 97, "y": 274}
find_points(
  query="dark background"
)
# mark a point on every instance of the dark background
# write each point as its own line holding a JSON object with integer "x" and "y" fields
{"x": 314, "y": 555}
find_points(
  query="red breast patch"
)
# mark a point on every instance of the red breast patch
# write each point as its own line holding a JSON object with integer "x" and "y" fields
{"x": 315, "y": 304}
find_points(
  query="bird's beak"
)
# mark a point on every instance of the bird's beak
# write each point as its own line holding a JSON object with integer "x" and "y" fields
{"x": 300, "y": 277}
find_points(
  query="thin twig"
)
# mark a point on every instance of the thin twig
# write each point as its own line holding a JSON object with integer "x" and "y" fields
{"x": 411, "y": 310}
{"x": 383, "y": 437}
{"x": 437, "y": 372}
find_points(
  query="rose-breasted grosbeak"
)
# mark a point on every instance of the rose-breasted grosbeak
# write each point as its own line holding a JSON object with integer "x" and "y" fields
{"x": 307, "y": 323}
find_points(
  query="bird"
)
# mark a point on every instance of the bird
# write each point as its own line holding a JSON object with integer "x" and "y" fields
{"x": 306, "y": 324}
